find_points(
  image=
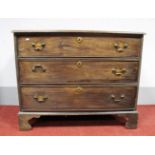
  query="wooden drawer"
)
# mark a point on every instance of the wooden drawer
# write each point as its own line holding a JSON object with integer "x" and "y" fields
{"x": 77, "y": 46}
{"x": 78, "y": 98}
{"x": 72, "y": 71}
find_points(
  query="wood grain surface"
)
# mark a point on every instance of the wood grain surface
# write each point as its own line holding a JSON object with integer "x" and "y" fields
{"x": 77, "y": 98}
{"x": 79, "y": 71}
{"x": 70, "y": 46}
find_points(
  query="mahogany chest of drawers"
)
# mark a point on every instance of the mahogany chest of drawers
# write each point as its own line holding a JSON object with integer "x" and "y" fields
{"x": 78, "y": 73}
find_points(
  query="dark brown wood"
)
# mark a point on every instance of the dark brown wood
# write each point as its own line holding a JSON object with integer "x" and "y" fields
{"x": 69, "y": 46}
{"x": 73, "y": 32}
{"x": 24, "y": 121}
{"x": 129, "y": 118}
{"x": 78, "y": 73}
{"x": 131, "y": 121}
{"x": 71, "y": 71}
{"x": 78, "y": 98}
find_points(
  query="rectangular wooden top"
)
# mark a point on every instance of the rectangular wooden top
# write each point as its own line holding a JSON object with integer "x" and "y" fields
{"x": 78, "y": 31}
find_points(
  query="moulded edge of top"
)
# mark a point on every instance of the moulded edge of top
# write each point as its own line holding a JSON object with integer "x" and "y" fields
{"x": 78, "y": 31}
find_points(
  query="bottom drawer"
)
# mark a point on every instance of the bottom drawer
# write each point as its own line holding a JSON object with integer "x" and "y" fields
{"x": 77, "y": 98}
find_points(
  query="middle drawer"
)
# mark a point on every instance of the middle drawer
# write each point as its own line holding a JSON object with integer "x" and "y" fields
{"x": 71, "y": 71}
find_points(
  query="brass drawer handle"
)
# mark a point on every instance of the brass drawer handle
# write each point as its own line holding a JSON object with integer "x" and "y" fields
{"x": 38, "y": 46}
{"x": 40, "y": 98}
{"x": 120, "y": 47}
{"x": 78, "y": 90}
{"x": 118, "y": 71}
{"x": 117, "y": 100}
{"x": 38, "y": 68}
{"x": 79, "y": 64}
{"x": 79, "y": 39}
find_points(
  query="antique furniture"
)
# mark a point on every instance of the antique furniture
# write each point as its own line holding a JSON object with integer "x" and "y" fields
{"x": 77, "y": 73}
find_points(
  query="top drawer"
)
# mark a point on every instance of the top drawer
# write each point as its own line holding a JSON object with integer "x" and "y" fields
{"x": 77, "y": 46}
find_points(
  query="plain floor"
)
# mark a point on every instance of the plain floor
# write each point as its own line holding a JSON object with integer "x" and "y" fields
{"x": 77, "y": 126}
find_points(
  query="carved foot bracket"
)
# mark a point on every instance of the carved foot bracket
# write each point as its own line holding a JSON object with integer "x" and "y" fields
{"x": 129, "y": 117}
{"x": 24, "y": 121}
{"x": 131, "y": 120}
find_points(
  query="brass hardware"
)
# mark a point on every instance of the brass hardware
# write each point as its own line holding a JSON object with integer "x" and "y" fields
{"x": 79, "y": 39}
{"x": 120, "y": 47}
{"x": 40, "y": 98}
{"x": 119, "y": 72}
{"x": 38, "y": 68}
{"x": 79, "y": 64}
{"x": 116, "y": 100}
{"x": 38, "y": 46}
{"x": 78, "y": 90}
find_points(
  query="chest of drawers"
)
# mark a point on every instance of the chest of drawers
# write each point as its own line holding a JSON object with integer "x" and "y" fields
{"x": 78, "y": 73}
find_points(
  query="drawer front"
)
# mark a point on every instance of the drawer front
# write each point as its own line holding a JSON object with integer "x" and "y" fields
{"x": 71, "y": 71}
{"x": 78, "y": 98}
{"x": 77, "y": 46}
